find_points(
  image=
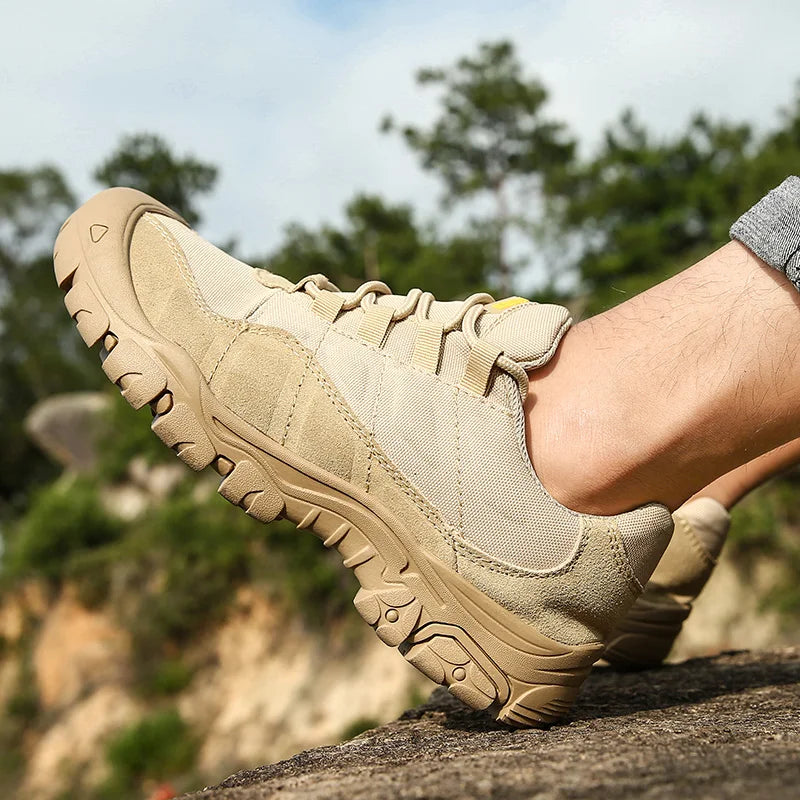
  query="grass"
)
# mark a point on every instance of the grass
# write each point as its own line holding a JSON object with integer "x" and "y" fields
{"x": 181, "y": 561}
{"x": 158, "y": 747}
{"x": 64, "y": 520}
{"x": 357, "y": 727}
{"x": 170, "y": 677}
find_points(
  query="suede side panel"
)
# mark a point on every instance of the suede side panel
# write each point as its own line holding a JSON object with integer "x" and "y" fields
{"x": 578, "y": 604}
{"x": 257, "y": 379}
{"x": 685, "y": 566}
{"x": 165, "y": 294}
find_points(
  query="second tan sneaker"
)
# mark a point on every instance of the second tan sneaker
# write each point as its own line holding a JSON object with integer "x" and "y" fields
{"x": 646, "y": 634}
{"x": 391, "y": 427}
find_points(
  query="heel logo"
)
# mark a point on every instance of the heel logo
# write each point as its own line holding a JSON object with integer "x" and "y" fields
{"x": 97, "y": 232}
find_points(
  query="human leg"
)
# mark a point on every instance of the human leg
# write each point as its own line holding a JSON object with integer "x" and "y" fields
{"x": 648, "y": 631}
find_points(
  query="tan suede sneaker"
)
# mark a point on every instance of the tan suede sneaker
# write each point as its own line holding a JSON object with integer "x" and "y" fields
{"x": 646, "y": 635}
{"x": 391, "y": 427}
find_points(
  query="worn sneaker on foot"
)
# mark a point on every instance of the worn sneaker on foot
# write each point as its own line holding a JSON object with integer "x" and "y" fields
{"x": 646, "y": 634}
{"x": 391, "y": 427}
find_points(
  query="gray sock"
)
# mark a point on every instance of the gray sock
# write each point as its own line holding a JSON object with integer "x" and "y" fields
{"x": 771, "y": 229}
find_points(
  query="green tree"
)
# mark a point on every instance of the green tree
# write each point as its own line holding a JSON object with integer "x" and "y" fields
{"x": 39, "y": 354}
{"x": 145, "y": 161}
{"x": 644, "y": 207}
{"x": 380, "y": 241}
{"x": 491, "y": 138}
{"x": 30, "y": 204}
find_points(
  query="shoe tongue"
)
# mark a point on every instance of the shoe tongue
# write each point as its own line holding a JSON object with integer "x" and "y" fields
{"x": 271, "y": 280}
{"x": 527, "y": 332}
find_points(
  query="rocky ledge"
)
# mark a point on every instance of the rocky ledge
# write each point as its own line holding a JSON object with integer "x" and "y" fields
{"x": 723, "y": 727}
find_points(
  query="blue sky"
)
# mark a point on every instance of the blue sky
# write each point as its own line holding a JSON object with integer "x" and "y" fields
{"x": 339, "y": 15}
{"x": 286, "y": 95}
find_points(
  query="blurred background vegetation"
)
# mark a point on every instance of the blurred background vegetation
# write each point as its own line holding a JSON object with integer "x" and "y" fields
{"x": 599, "y": 226}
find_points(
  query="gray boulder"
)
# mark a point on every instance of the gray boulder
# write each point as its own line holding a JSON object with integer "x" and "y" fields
{"x": 723, "y": 727}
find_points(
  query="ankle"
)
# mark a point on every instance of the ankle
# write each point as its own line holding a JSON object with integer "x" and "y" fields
{"x": 562, "y": 432}
{"x": 591, "y": 444}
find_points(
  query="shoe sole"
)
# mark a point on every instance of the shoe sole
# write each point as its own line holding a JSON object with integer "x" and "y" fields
{"x": 449, "y": 630}
{"x": 645, "y": 637}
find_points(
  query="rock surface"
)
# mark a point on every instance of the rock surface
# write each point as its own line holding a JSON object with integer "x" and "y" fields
{"x": 724, "y": 727}
{"x": 68, "y": 427}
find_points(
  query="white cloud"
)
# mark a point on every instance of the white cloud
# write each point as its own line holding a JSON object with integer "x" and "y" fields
{"x": 287, "y": 102}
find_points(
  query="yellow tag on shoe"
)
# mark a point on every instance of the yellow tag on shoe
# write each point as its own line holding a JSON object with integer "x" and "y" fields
{"x": 501, "y": 305}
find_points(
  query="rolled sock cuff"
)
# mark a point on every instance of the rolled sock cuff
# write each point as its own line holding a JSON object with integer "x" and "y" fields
{"x": 771, "y": 229}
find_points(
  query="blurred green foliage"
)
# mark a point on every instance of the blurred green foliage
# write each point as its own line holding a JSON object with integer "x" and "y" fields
{"x": 644, "y": 207}
{"x": 132, "y": 439}
{"x": 491, "y": 138}
{"x": 39, "y": 354}
{"x": 147, "y": 163}
{"x": 20, "y": 715}
{"x": 357, "y": 727}
{"x": 170, "y": 677}
{"x": 64, "y": 520}
{"x": 159, "y": 746}
{"x": 767, "y": 524}
{"x": 381, "y": 241}
{"x": 176, "y": 567}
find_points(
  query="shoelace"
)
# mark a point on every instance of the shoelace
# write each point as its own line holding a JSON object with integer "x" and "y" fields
{"x": 419, "y": 303}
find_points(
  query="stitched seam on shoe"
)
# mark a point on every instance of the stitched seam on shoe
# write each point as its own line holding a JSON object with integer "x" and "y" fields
{"x": 372, "y": 421}
{"x": 488, "y": 563}
{"x": 299, "y": 388}
{"x": 261, "y": 305}
{"x": 224, "y": 353}
{"x": 548, "y": 354}
{"x": 621, "y": 559}
{"x": 187, "y": 275}
{"x": 493, "y": 323}
{"x": 459, "y": 545}
{"x": 695, "y": 543}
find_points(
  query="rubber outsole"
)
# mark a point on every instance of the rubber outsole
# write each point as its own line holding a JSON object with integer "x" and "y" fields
{"x": 645, "y": 637}
{"x": 444, "y": 626}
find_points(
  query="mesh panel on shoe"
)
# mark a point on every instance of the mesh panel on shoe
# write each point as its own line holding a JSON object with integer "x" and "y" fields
{"x": 292, "y": 313}
{"x": 415, "y": 424}
{"x": 507, "y": 514}
{"x": 414, "y": 421}
{"x": 468, "y": 466}
{"x": 355, "y": 371}
{"x": 645, "y": 535}
{"x": 400, "y": 340}
{"x": 228, "y": 286}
